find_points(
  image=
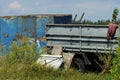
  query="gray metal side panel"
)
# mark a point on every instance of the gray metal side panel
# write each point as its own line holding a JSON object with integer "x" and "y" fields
{"x": 83, "y": 38}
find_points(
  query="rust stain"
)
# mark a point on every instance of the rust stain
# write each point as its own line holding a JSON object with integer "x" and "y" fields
{"x": 18, "y": 36}
{"x": 42, "y": 39}
{"x": 2, "y": 45}
{"x": 6, "y": 35}
{"x": 34, "y": 26}
{"x": 9, "y": 18}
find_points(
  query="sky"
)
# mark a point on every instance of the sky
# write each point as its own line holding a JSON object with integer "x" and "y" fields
{"x": 94, "y": 9}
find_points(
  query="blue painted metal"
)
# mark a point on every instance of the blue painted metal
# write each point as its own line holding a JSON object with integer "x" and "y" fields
{"x": 8, "y": 32}
{"x": 62, "y": 19}
{"x": 25, "y": 26}
{"x": 41, "y": 24}
{"x": 0, "y": 31}
{"x": 14, "y": 27}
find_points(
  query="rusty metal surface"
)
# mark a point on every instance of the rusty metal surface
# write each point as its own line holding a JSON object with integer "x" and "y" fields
{"x": 0, "y": 31}
{"x": 33, "y": 26}
{"x": 8, "y": 32}
{"x": 36, "y": 15}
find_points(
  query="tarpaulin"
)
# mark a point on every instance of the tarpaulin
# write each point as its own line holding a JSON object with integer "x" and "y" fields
{"x": 111, "y": 30}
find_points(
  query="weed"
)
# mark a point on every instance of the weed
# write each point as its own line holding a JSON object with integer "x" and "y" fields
{"x": 20, "y": 64}
{"x": 115, "y": 70}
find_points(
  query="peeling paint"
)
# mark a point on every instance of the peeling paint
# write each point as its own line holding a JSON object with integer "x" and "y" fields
{"x": 12, "y": 27}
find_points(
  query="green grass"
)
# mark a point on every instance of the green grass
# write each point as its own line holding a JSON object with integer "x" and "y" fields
{"x": 33, "y": 71}
{"x": 38, "y": 72}
{"x": 20, "y": 64}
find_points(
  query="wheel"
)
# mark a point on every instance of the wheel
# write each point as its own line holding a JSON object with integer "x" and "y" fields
{"x": 78, "y": 64}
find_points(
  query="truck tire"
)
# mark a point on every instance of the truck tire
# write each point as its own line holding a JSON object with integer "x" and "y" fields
{"x": 78, "y": 64}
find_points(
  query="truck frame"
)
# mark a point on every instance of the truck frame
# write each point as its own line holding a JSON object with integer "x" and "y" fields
{"x": 86, "y": 41}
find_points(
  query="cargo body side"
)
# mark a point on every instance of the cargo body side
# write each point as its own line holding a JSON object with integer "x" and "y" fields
{"x": 87, "y": 42}
{"x": 84, "y": 38}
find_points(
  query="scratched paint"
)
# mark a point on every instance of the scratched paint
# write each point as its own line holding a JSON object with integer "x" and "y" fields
{"x": 0, "y": 30}
{"x": 8, "y": 30}
{"x": 33, "y": 26}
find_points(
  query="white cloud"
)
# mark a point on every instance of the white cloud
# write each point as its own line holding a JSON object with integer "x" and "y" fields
{"x": 15, "y": 5}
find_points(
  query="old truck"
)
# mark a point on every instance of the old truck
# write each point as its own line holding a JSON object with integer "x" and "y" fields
{"x": 86, "y": 41}
{"x": 82, "y": 39}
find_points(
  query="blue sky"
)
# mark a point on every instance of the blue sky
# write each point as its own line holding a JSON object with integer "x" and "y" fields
{"x": 93, "y": 9}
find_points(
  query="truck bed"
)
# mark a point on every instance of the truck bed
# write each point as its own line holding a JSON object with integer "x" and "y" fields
{"x": 81, "y": 37}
